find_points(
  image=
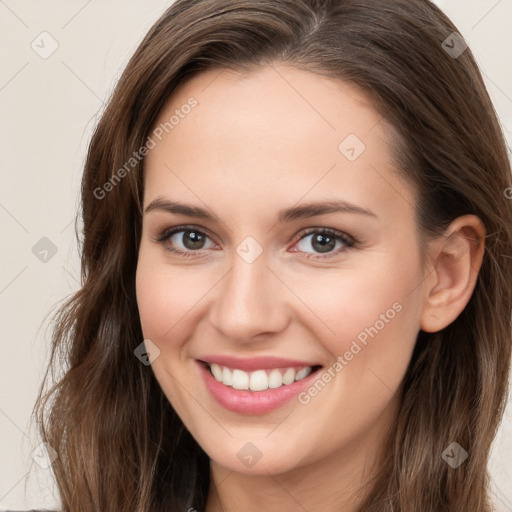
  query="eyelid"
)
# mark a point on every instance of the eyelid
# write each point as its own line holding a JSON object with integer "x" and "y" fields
{"x": 348, "y": 240}
{"x": 166, "y": 233}
{"x": 345, "y": 237}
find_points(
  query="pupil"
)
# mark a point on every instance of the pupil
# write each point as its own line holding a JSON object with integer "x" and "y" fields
{"x": 326, "y": 243}
{"x": 193, "y": 240}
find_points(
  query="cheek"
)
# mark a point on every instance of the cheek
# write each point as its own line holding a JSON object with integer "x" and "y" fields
{"x": 154, "y": 301}
{"x": 360, "y": 304}
{"x": 374, "y": 317}
{"x": 164, "y": 296}
{"x": 370, "y": 321}
{"x": 165, "y": 300}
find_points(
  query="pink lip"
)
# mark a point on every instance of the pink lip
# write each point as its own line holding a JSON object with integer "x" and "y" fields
{"x": 255, "y": 363}
{"x": 253, "y": 402}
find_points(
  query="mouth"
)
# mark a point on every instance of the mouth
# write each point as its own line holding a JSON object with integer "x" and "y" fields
{"x": 256, "y": 389}
{"x": 260, "y": 379}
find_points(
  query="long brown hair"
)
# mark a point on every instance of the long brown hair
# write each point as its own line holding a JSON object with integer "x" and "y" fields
{"x": 120, "y": 444}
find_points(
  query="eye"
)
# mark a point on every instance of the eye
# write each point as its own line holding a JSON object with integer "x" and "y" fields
{"x": 184, "y": 240}
{"x": 187, "y": 240}
{"x": 323, "y": 241}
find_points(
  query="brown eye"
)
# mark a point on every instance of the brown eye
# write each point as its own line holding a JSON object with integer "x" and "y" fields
{"x": 184, "y": 240}
{"x": 324, "y": 241}
{"x": 193, "y": 239}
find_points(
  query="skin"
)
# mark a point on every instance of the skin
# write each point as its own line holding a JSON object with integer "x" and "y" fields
{"x": 256, "y": 143}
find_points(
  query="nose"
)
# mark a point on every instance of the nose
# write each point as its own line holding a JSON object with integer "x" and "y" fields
{"x": 250, "y": 302}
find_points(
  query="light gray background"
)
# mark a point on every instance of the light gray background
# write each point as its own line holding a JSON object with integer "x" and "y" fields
{"x": 48, "y": 109}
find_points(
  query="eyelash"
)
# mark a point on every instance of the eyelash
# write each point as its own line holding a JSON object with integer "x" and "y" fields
{"x": 348, "y": 241}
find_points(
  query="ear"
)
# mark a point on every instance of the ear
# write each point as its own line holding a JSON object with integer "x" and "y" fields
{"x": 457, "y": 257}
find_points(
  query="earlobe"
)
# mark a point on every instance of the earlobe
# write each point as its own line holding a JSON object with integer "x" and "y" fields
{"x": 456, "y": 257}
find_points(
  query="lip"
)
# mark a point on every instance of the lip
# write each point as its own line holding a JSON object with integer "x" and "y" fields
{"x": 255, "y": 363}
{"x": 253, "y": 402}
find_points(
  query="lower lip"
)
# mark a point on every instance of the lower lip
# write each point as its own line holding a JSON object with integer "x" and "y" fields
{"x": 252, "y": 402}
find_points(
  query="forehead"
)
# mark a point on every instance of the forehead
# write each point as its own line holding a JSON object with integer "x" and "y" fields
{"x": 273, "y": 99}
{"x": 271, "y": 132}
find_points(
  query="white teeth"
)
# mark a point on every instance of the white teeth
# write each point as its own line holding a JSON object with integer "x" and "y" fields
{"x": 275, "y": 379}
{"x": 289, "y": 376}
{"x": 227, "y": 377}
{"x": 217, "y": 371}
{"x": 259, "y": 380}
{"x": 240, "y": 379}
{"x": 303, "y": 373}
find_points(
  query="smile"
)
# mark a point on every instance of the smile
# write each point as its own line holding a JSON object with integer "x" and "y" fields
{"x": 259, "y": 380}
{"x": 260, "y": 386}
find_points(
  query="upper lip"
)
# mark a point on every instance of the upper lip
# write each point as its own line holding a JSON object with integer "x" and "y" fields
{"x": 255, "y": 363}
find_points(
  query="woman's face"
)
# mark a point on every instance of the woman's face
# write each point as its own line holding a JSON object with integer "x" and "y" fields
{"x": 266, "y": 285}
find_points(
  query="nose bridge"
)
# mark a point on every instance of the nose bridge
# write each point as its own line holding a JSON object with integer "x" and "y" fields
{"x": 248, "y": 301}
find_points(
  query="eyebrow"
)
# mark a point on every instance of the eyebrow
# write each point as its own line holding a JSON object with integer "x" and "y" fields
{"x": 288, "y": 214}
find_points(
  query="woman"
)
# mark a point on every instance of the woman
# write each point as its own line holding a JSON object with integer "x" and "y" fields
{"x": 296, "y": 274}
